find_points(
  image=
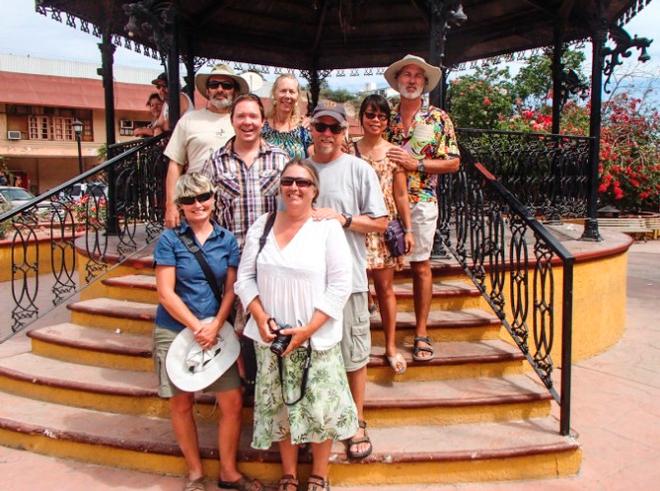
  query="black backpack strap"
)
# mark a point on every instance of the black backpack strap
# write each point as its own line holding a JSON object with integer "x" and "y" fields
{"x": 189, "y": 242}
{"x": 269, "y": 225}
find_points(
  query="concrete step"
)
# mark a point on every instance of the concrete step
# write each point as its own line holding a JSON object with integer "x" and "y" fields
{"x": 388, "y": 402}
{"x": 403, "y": 454}
{"x": 125, "y": 350}
{"x": 138, "y": 317}
{"x": 447, "y": 295}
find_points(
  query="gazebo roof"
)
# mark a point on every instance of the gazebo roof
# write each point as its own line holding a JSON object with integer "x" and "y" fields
{"x": 327, "y": 34}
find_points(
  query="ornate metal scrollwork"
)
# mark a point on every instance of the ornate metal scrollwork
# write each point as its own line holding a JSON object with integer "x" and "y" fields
{"x": 59, "y": 244}
{"x": 623, "y": 44}
{"x": 153, "y": 20}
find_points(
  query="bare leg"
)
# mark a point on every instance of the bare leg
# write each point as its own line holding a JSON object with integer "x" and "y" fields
{"x": 387, "y": 305}
{"x": 321, "y": 458}
{"x": 422, "y": 292}
{"x": 289, "y": 455}
{"x": 229, "y": 432}
{"x": 185, "y": 432}
{"x": 357, "y": 381}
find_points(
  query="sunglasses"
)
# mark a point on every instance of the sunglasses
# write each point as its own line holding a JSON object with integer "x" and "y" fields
{"x": 301, "y": 182}
{"x": 334, "y": 128}
{"x": 214, "y": 84}
{"x": 200, "y": 198}
{"x": 380, "y": 116}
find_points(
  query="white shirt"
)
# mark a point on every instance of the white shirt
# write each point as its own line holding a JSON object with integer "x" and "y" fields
{"x": 312, "y": 272}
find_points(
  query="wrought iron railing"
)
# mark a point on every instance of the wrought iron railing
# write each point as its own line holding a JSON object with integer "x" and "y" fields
{"x": 102, "y": 216}
{"x": 548, "y": 173}
{"x": 510, "y": 257}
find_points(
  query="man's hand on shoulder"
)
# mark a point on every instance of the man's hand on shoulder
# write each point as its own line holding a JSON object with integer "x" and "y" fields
{"x": 327, "y": 214}
{"x": 402, "y": 158}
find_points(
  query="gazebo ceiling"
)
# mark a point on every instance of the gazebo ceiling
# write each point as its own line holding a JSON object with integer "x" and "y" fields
{"x": 326, "y": 34}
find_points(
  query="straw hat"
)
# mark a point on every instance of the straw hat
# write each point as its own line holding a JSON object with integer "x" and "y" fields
{"x": 221, "y": 69}
{"x": 433, "y": 73}
{"x": 192, "y": 368}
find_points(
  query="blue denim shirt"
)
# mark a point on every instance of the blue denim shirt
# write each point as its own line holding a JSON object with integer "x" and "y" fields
{"x": 220, "y": 251}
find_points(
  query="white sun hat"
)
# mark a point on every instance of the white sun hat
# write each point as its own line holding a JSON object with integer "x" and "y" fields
{"x": 192, "y": 368}
{"x": 433, "y": 73}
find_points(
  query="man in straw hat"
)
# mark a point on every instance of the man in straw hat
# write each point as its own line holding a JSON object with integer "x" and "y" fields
{"x": 199, "y": 133}
{"x": 426, "y": 147}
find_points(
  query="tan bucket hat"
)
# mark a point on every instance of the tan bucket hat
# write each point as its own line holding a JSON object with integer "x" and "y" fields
{"x": 433, "y": 73}
{"x": 221, "y": 69}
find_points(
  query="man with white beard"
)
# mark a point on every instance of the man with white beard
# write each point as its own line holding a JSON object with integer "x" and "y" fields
{"x": 199, "y": 133}
{"x": 426, "y": 147}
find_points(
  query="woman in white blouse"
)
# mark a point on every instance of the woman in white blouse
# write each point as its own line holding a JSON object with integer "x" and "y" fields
{"x": 301, "y": 278}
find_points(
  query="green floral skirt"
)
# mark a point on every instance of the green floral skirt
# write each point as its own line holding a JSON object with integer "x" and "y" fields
{"x": 327, "y": 410}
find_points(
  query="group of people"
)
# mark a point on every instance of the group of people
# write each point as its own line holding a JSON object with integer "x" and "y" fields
{"x": 290, "y": 217}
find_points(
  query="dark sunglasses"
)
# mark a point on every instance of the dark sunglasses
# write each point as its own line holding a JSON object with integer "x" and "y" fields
{"x": 380, "y": 116}
{"x": 200, "y": 198}
{"x": 334, "y": 128}
{"x": 214, "y": 84}
{"x": 301, "y": 182}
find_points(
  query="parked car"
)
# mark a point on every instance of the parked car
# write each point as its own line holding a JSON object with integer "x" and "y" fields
{"x": 16, "y": 196}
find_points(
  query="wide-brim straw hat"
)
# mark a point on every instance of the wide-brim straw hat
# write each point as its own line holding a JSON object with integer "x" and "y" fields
{"x": 433, "y": 73}
{"x": 192, "y": 368}
{"x": 221, "y": 69}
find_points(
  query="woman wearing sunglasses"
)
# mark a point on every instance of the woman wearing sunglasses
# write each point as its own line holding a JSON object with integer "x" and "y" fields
{"x": 186, "y": 297}
{"x": 284, "y": 127}
{"x": 374, "y": 118}
{"x": 298, "y": 274}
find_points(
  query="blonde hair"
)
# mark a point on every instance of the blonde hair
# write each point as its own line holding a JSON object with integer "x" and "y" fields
{"x": 295, "y": 116}
{"x": 191, "y": 185}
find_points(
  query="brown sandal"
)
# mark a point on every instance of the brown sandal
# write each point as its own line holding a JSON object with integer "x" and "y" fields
{"x": 357, "y": 441}
{"x": 317, "y": 483}
{"x": 288, "y": 483}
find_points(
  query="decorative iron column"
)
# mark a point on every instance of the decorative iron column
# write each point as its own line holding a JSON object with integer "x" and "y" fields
{"x": 190, "y": 66}
{"x": 557, "y": 68}
{"x": 314, "y": 78}
{"x": 442, "y": 15}
{"x": 173, "y": 84}
{"x": 107, "y": 55}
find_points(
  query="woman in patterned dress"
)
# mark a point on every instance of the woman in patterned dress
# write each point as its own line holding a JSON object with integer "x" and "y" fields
{"x": 374, "y": 118}
{"x": 284, "y": 127}
{"x": 299, "y": 276}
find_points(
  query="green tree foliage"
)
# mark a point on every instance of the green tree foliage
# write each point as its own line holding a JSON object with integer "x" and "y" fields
{"x": 481, "y": 99}
{"x": 532, "y": 84}
{"x": 337, "y": 95}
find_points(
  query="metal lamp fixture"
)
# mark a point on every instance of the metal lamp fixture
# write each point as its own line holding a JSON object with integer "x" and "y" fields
{"x": 77, "y": 126}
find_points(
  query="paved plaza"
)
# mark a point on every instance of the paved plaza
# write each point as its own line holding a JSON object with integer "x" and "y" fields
{"x": 616, "y": 411}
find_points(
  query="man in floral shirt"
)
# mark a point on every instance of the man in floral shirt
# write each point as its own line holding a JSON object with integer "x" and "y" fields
{"x": 426, "y": 147}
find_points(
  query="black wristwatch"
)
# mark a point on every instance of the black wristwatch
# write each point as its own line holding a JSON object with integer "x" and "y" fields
{"x": 420, "y": 166}
{"x": 348, "y": 218}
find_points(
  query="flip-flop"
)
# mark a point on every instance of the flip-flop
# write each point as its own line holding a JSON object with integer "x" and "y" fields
{"x": 424, "y": 349}
{"x": 244, "y": 483}
{"x": 397, "y": 361}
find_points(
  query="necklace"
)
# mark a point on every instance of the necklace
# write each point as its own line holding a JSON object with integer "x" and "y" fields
{"x": 368, "y": 153}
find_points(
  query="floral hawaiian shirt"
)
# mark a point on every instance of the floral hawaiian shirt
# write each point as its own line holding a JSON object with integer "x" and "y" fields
{"x": 430, "y": 136}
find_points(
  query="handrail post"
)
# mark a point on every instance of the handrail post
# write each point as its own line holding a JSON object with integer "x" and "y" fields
{"x": 566, "y": 347}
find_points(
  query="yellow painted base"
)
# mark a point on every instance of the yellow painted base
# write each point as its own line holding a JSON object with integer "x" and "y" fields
{"x": 132, "y": 326}
{"x": 554, "y": 464}
{"x": 93, "y": 358}
{"x": 446, "y": 303}
{"x": 404, "y": 337}
{"x": 456, "y": 415}
{"x": 444, "y": 372}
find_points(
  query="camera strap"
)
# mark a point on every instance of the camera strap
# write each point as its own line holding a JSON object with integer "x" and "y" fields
{"x": 303, "y": 383}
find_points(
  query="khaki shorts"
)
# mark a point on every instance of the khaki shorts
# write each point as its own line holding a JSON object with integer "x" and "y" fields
{"x": 424, "y": 221}
{"x": 163, "y": 339}
{"x": 356, "y": 339}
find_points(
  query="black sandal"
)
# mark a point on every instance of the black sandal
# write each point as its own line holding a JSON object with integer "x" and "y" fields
{"x": 288, "y": 483}
{"x": 417, "y": 349}
{"x": 356, "y": 441}
{"x": 317, "y": 483}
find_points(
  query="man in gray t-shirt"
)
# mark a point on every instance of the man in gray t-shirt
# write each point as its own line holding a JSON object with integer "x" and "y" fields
{"x": 351, "y": 194}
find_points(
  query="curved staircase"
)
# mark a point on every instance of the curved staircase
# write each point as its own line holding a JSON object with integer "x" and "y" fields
{"x": 85, "y": 390}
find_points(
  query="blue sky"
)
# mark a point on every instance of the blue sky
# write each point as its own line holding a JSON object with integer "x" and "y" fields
{"x": 24, "y": 32}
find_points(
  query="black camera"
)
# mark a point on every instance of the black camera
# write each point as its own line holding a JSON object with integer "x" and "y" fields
{"x": 281, "y": 341}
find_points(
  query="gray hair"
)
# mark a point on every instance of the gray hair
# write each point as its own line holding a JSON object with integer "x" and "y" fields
{"x": 191, "y": 185}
